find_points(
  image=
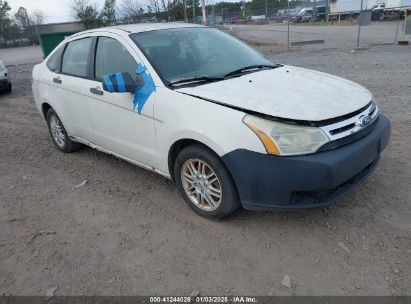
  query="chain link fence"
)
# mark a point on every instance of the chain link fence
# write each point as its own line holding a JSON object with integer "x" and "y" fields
{"x": 17, "y": 39}
{"x": 314, "y": 23}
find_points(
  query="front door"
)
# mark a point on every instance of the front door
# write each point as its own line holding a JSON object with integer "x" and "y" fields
{"x": 117, "y": 126}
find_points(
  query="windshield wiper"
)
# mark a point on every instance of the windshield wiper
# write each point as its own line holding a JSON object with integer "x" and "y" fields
{"x": 252, "y": 68}
{"x": 194, "y": 80}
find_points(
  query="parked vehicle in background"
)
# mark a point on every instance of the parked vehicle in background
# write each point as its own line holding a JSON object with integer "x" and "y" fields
{"x": 197, "y": 106}
{"x": 304, "y": 15}
{"x": 390, "y": 9}
{"x": 308, "y": 14}
{"x": 282, "y": 15}
{"x": 235, "y": 19}
{"x": 5, "y": 84}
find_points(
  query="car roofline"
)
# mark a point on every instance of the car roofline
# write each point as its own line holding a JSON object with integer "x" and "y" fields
{"x": 138, "y": 28}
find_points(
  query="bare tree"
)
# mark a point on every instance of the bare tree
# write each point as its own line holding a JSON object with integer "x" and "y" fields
{"x": 166, "y": 7}
{"x": 25, "y": 22}
{"x": 131, "y": 10}
{"x": 79, "y": 8}
{"x": 155, "y": 7}
{"x": 5, "y": 21}
{"x": 22, "y": 18}
{"x": 28, "y": 22}
{"x": 108, "y": 13}
{"x": 85, "y": 12}
{"x": 38, "y": 17}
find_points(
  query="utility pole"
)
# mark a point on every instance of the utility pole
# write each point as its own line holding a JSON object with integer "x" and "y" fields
{"x": 203, "y": 9}
{"x": 288, "y": 24}
{"x": 327, "y": 11}
{"x": 266, "y": 10}
{"x": 213, "y": 14}
{"x": 359, "y": 25}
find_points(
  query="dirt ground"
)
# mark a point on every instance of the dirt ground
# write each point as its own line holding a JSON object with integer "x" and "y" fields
{"x": 127, "y": 231}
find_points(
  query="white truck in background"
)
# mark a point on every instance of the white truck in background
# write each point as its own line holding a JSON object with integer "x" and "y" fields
{"x": 391, "y": 8}
{"x": 344, "y": 10}
{"x": 381, "y": 9}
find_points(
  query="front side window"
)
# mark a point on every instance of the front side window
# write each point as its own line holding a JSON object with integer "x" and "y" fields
{"x": 113, "y": 57}
{"x": 75, "y": 57}
{"x": 195, "y": 52}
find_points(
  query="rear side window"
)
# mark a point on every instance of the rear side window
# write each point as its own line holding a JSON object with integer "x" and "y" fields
{"x": 113, "y": 57}
{"x": 54, "y": 61}
{"x": 75, "y": 57}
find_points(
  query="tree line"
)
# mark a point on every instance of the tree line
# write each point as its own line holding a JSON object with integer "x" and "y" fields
{"x": 135, "y": 11}
{"x": 21, "y": 28}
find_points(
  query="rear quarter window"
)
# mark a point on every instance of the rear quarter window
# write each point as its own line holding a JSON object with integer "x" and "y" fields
{"x": 54, "y": 62}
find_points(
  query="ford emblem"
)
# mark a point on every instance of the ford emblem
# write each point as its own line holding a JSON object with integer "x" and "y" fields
{"x": 364, "y": 121}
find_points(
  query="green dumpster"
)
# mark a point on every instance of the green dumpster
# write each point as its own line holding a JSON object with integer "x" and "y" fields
{"x": 49, "y": 41}
{"x": 51, "y": 34}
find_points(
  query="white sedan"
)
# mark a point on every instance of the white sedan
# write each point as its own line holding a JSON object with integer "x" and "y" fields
{"x": 198, "y": 106}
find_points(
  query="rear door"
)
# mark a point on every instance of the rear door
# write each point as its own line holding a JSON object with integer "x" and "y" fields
{"x": 69, "y": 92}
{"x": 117, "y": 126}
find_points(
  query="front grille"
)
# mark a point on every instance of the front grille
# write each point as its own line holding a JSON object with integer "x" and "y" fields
{"x": 342, "y": 129}
{"x": 348, "y": 139}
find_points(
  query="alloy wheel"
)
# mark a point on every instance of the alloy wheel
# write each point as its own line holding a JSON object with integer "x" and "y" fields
{"x": 201, "y": 184}
{"x": 57, "y": 132}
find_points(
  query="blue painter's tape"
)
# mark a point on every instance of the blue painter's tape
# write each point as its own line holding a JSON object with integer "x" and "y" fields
{"x": 140, "y": 68}
{"x": 120, "y": 83}
{"x": 109, "y": 84}
{"x": 144, "y": 90}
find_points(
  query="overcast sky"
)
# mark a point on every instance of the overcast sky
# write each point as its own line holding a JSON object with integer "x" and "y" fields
{"x": 53, "y": 10}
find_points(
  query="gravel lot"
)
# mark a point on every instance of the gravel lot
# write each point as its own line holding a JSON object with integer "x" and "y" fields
{"x": 128, "y": 231}
{"x": 341, "y": 36}
{"x": 21, "y": 55}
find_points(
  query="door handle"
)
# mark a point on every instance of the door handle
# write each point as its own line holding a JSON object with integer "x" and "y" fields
{"x": 96, "y": 91}
{"x": 57, "y": 80}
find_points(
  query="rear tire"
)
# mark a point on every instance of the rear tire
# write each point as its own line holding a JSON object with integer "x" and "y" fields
{"x": 59, "y": 134}
{"x": 205, "y": 183}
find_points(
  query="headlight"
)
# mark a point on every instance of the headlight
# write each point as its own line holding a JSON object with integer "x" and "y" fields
{"x": 286, "y": 139}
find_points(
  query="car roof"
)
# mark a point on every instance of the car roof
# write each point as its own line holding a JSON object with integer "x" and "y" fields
{"x": 143, "y": 27}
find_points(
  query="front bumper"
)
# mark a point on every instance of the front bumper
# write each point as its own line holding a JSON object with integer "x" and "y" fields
{"x": 4, "y": 83}
{"x": 317, "y": 180}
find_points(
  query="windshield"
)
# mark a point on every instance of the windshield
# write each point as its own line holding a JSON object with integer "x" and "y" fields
{"x": 185, "y": 53}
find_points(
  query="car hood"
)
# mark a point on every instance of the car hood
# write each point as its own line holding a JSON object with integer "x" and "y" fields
{"x": 287, "y": 92}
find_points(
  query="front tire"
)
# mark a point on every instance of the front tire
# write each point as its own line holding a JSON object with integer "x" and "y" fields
{"x": 205, "y": 183}
{"x": 8, "y": 90}
{"x": 59, "y": 134}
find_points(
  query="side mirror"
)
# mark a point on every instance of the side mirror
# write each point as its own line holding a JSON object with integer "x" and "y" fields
{"x": 118, "y": 83}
